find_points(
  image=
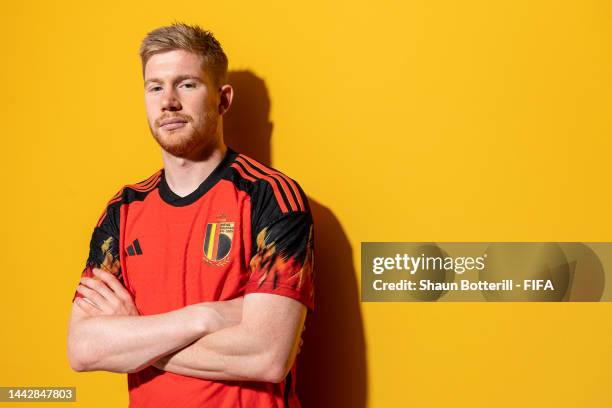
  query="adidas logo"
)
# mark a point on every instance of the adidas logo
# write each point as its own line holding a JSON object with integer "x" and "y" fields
{"x": 134, "y": 249}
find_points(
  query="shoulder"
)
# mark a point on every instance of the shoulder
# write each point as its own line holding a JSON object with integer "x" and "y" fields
{"x": 265, "y": 181}
{"x": 127, "y": 194}
{"x": 137, "y": 191}
{"x": 273, "y": 193}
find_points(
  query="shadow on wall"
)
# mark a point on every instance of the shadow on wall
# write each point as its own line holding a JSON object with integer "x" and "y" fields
{"x": 332, "y": 365}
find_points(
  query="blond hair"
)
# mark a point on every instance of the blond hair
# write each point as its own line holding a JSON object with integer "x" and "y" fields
{"x": 192, "y": 38}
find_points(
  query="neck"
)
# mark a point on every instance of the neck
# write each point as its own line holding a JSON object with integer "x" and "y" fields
{"x": 185, "y": 174}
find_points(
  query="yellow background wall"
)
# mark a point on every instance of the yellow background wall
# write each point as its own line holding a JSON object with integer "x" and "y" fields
{"x": 431, "y": 120}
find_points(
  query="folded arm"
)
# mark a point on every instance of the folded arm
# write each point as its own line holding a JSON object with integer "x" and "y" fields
{"x": 127, "y": 343}
{"x": 106, "y": 333}
{"x": 262, "y": 347}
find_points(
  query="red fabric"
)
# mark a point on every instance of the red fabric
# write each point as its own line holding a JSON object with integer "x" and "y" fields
{"x": 174, "y": 270}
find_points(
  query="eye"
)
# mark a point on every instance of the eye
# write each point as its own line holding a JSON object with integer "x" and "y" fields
{"x": 189, "y": 85}
{"x": 154, "y": 88}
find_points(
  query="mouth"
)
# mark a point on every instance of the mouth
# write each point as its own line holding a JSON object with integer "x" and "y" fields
{"x": 173, "y": 123}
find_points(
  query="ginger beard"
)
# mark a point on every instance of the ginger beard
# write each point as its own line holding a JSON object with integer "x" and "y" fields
{"x": 196, "y": 134}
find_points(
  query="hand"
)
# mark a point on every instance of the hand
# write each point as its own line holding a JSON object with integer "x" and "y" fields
{"x": 105, "y": 295}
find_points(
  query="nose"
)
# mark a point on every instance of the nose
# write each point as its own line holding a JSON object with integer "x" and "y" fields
{"x": 170, "y": 102}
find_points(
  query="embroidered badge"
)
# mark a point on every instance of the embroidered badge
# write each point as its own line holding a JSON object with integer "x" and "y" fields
{"x": 218, "y": 239}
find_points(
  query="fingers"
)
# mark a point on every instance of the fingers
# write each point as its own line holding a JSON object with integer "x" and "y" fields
{"x": 113, "y": 283}
{"x": 86, "y": 306}
{"x": 99, "y": 287}
{"x": 96, "y": 290}
{"x": 98, "y": 300}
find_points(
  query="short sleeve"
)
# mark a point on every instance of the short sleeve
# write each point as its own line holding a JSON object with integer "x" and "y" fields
{"x": 283, "y": 260}
{"x": 104, "y": 246}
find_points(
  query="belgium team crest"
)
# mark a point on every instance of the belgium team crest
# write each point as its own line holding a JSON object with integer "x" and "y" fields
{"x": 218, "y": 242}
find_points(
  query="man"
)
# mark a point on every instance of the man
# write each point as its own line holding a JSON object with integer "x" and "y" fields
{"x": 198, "y": 278}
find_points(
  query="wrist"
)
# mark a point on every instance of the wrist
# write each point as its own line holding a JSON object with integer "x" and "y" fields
{"x": 205, "y": 319}
{"x": 197, "y": 320}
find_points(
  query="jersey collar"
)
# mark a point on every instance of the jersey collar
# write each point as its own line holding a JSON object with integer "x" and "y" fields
{"x": 173, "y": 199}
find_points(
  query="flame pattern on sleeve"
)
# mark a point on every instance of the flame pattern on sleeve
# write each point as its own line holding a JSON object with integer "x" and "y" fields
{"x": 109, "y": 255}
{"x": 103, "y": 253}
{"x": 284, "y": 259}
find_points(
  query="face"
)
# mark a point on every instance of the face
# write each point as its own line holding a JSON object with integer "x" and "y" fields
{"x": 182, "y": 103}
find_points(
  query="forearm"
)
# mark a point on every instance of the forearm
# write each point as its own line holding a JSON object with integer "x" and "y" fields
{"x": 130, "y": 343}
{"x": 257, "y": 349}
{"x": 234, "y": 353}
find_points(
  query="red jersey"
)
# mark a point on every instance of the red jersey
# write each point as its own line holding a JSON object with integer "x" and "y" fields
{"x": 247, "y": 228}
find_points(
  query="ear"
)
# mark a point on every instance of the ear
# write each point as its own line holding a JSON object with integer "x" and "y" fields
{"x": 226, "y": 95}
